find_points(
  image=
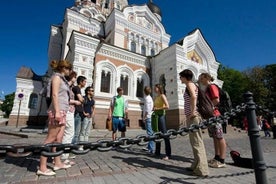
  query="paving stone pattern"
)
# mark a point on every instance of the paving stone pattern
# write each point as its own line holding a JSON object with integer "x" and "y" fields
{"x": 134, "y": 166}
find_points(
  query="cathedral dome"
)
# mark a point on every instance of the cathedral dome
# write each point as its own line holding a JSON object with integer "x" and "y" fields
{"x": 154, "y": 8}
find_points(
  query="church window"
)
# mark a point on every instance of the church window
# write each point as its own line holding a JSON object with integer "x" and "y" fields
{"x": 140, "y": 86}
{"x": 143, "y": 50}
{"x": 152, "y": 53}
{"x": 162, "y": 81}
{"x": 33, "y": 101}
{"x": 133, "y": 46}
{"x": 105, "y": 82}
{"x": 124, "y": 84}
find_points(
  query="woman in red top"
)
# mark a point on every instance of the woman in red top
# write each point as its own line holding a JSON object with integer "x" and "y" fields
{"x": 215, "y": 131}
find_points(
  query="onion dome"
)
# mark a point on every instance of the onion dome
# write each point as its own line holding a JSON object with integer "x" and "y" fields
{"x": 154, "y": 8}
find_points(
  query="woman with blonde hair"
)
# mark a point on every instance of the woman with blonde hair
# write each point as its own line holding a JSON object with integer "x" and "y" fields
{"x": 57, "y": 113}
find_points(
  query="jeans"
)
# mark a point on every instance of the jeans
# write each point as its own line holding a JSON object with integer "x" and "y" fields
{"x": 78, "y": 121}
{"x": 162, "y": 128}
{"x": 149, "y": 132}
{"x": 85, "y": 129}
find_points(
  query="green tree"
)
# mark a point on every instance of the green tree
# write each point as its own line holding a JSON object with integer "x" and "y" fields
{"x": 8, "y": 104}
{"x": 270, "y": 84}
{"x": 256, "y": 80}
{"x": 234, "y": 83}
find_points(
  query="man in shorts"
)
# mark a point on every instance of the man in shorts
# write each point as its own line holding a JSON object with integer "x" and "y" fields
{"x": 118, "y": 113}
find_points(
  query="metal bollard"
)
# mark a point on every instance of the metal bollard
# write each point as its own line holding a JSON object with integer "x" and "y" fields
{"x": 254, "y": 136}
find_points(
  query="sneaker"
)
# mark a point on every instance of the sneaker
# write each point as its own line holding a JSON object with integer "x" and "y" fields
{"x": 217, "y": 164}
{"x": 80, "y": 148}
{"x": 145, "y": 149}
{"x": 211, "y": 161}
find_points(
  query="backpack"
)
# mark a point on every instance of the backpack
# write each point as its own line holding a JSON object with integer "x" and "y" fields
{"x": 204, "y": 104}
{"x": 225, "y": 104}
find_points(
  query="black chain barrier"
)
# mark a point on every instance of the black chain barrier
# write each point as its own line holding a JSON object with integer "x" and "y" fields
{"x": 25, "y": 150}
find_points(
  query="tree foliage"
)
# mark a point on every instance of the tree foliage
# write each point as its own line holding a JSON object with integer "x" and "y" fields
{"x": 261, "y": 81}
{"x": 234, "y": 83}
{"x": 7, "y": 104}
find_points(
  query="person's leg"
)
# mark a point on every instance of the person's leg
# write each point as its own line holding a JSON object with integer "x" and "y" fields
{"x": 200, "y": 164}
{"x": 68, "y": 132}
{"x": 83, "y": 128}
{"x": 115, "y": 122}
{"x": 88, "y": 129}
{"x": 51, "y": 137}
{"x": 149, "y": 133}
{"x": 77, "y": 128}
{"x": 163, "y": 129}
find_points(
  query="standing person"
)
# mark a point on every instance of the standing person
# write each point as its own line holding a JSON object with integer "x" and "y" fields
{"x": 215, "y": 131}
{"x": 200, "y": 164}
{"x": 79, "y": 116}
{"x": 70, "y": 125}
{"x": 274, "y": 125}
{"x": 147, "y": 111}
{"x": 89, "y": 112}
{"x": 160, "y": 106}
{"x": 57, "y": 114}
{"x": 118, "y": 112}
{"x": 266, "y": 127}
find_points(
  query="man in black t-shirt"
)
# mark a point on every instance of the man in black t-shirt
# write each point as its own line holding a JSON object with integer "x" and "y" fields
{"x": 79, "y": 116}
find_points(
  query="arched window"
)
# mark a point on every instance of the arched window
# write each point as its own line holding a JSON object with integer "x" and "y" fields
{"x": 33, "y": 101}
{"x": 140, "y": 88}
{"x": 105, "y": 82}
{"x": 143, "y": 50}
{"x": 124, "y": 84}
{"x": 152, "y": 53}
{"x": 133, "y": 46}
{"x": 162, "y": 81}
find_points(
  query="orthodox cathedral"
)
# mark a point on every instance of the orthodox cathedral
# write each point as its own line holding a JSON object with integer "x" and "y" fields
{"x": 115, "y": 44}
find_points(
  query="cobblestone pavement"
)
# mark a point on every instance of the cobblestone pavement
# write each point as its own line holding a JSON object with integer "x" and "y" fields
{"x": 134, "y": 166}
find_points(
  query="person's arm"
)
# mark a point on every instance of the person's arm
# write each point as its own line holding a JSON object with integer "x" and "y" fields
{"x": 126, "y": 109}
{"x": 111, "y": 107}
{"x": 93, "y": 110}
{"x": 214, "y": 94}
{"x": 55, "y": 89}
{"x": 164, "y": 98}
{"x": 192, "y": 88}
{"x": 146, "y": 109}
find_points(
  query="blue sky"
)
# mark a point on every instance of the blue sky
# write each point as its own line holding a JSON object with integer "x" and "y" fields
{"x": 241, "y": 33}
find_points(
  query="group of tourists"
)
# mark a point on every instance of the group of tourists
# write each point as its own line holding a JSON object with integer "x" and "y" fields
{"x": 70, "y": 117}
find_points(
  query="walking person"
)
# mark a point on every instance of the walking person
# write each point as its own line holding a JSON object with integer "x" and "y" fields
{"x": 57, "y": 114}
{"x": 215, "y": 131}
{"x": 200, "y": 164}
{"x": 79, "y": 116}
{"x": 147, "y": 111}
{"x": 70, "y": 123}
{"x": 160, "y": 106}
{"x": 88, "y": 112}
{"x": 118, "y": 113}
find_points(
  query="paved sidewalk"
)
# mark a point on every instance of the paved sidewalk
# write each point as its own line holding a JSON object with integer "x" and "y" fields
{"x": 134, "y": 165}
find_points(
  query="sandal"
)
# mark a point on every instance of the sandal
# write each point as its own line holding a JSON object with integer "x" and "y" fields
{"x": 65, "y": 166}
{"x": 48, "y": 172}
{"x": 69, "y": 162}
{"x": 165, "y": 158}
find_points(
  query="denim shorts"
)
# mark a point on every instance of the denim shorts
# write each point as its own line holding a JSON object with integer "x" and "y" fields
{"x": 118, "y": 123}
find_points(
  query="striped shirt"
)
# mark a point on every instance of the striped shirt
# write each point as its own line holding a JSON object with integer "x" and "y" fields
{"x": 187, "y": 102}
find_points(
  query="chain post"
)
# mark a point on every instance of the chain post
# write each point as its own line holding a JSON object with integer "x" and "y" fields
{"x": 254, "y": 136}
